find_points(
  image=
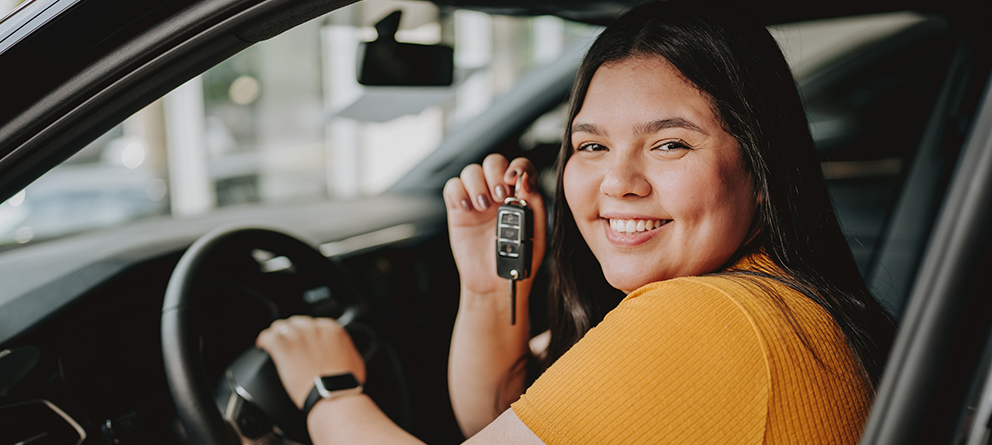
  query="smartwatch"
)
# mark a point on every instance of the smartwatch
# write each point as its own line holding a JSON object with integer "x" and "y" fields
{"x": 331, "y": 387}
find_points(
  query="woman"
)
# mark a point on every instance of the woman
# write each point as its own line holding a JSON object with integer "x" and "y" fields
{"x": 690, "y": 184}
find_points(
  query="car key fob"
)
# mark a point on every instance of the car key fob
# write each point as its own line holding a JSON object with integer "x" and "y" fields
{"x": 514, "y": 230}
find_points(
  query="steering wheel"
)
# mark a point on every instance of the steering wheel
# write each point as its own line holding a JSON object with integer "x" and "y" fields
{"x": 255, "y": 396}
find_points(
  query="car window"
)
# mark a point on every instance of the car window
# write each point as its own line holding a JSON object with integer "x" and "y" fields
{"x": 870, "y": 117}
{"x": 286, "y": 121}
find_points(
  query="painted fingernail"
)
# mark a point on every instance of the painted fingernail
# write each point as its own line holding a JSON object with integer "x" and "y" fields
{"x": 500, "y": 192}
{"x": 526, "y": 184}
{"x": 483, "y": 201}
{"x": 466, "y": 204}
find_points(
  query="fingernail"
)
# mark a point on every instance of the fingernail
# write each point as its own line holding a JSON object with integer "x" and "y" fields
{"x": 500, "y": 192}
{"x": 466, "y": 204}
{"x": 525, "y": 182}
{"x": 483, "y": 201}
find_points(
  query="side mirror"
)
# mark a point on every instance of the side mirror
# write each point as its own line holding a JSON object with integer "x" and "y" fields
{"x": 386, "y": 62}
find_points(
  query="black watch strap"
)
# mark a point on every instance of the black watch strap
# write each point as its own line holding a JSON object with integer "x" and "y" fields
{"x": 312, "y": 400}
{"x": 330, "y": 387}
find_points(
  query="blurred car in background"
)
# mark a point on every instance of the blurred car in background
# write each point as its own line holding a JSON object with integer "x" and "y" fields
{"x": 148, "y": 126}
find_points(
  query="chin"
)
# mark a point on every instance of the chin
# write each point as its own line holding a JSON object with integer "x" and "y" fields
{"x": 628, "y": 283}
{"x": 629, "y": 277}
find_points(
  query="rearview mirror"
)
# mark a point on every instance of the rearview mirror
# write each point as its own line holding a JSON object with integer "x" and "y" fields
{"x": 386, "y": 62}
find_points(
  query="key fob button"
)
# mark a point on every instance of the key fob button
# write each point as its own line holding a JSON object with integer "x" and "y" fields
{"x": 509, "y": 233}
{"x": 510, "y": 218}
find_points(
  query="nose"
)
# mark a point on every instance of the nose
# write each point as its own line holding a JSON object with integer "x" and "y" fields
{"x": 625, "y": 179}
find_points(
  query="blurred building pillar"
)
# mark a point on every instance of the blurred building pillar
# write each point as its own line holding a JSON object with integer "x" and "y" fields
{"x": 148, "y": 127}
{"x": 339, "y": 41}
{"x": 153, "y": 132}
{"x": 191, "y": 190}
{"x": 289, "y": 122}
{"x": 473, "y": 54}
{"x": 549, "y": 38}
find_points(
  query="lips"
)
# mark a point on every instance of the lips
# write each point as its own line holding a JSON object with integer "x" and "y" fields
{"x": 631, "y": 226}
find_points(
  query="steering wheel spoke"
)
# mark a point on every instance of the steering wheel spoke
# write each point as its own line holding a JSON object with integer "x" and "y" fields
{"x": 251, "y": 395}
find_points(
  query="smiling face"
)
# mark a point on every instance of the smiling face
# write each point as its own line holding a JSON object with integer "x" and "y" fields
{"x": 657, "y": 187}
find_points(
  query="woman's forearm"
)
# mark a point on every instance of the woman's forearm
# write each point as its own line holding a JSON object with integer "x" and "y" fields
{"x": 354, "y": 420}
{"x": 485, "y": 357}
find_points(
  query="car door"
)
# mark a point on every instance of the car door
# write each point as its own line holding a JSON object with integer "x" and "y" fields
{"x": 938, "y": 366}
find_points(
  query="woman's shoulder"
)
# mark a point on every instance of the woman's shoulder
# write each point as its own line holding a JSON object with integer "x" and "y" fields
{"x": 793, "y": 330}
{"x": 690, "y": 297}
{"x": 773, "y": 305}
{"x": 755, "y": 285}
{"x": 806, "y": 360}
{"x": 684, "y": 366}
{"x": 689, "y": 303}
{"x": 748, "y": 293}
{"x": 750, "y": 351}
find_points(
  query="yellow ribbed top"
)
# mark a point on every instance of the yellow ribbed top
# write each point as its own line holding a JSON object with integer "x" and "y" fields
{"x": 704, "y": 360}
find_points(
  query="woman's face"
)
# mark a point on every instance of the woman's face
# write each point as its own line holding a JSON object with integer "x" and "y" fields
{"x": 656, "y": 185}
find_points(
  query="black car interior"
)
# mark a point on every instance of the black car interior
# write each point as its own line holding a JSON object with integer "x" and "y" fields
{"x": 94, "y": 354}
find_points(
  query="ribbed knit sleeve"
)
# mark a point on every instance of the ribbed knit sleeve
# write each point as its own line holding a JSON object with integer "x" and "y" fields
{"x": 675, "y": 362}
{"x": 704, "y": 360}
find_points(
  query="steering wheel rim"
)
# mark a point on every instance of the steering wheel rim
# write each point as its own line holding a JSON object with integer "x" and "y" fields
{"x": 191, "y": 391}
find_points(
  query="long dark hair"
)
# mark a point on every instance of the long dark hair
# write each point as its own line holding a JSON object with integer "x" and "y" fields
{"x": 730, "y": 56}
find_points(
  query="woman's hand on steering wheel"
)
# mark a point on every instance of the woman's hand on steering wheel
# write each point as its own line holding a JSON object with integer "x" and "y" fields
{"x": 303, "y": 348}
{"x": 472, "y": 200}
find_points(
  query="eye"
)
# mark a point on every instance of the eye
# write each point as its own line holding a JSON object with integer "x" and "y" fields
{"x": 673, "y": 146}
{"x": 591, "y": 146}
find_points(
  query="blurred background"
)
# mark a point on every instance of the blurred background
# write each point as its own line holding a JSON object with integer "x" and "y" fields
{"x": 286, "y": 120}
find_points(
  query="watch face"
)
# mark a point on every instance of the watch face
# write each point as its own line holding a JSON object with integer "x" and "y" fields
{"x": 339, "y": 382}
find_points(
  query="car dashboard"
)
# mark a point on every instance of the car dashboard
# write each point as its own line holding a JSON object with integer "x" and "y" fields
{"x": 91, "y": 370}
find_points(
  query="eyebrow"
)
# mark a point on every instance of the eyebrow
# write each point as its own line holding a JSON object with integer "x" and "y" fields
{"x": 661, "y": 124}
{"x": 645, "y": 128}
{"x": 587, "y": 128}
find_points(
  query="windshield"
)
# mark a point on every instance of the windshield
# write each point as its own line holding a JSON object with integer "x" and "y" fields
{"x": 286, "y": 120}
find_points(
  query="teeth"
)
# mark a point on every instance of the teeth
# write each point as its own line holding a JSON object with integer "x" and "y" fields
{"x": 629, "y": 226}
